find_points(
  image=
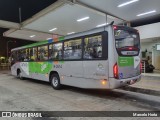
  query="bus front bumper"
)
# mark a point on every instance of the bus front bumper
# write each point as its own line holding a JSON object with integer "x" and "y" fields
{"x": 116, "y": 83}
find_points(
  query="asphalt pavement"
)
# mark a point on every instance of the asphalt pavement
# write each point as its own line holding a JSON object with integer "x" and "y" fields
{"x": 33, "y": 95}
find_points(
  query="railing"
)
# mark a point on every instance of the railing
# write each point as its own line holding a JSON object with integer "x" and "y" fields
{"x": 143, "y": 67}
{"x": 4, "y": 66}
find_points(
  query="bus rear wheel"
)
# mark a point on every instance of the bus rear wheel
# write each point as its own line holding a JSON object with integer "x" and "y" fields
{"x": 55, "y": 81}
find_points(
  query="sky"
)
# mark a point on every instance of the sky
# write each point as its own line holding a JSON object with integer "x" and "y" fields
{"x": 9, "y": 9}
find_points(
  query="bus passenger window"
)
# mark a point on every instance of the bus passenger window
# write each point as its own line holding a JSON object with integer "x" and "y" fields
{"x": 55, "y": 51}
{"x": 18, "y": 56}
{"x": 13, "y": 57}
{"x": 33, "y": 54}
{"x": 26, "y": 55}
{"x": 21, "y": 55}
{"x": 43, "y": 53}
{"x": 73, "y": 49}
{"x": 93, "y": 47}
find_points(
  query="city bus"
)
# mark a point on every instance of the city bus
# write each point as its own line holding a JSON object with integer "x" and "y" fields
{"x": 102, "y": 58}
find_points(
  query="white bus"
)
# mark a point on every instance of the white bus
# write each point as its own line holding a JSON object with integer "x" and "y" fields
{"x": 102, "y": 58}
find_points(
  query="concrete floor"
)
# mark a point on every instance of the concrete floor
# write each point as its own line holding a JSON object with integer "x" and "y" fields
{"x": 149, "y": 82}
{"x": 33, "y": 95}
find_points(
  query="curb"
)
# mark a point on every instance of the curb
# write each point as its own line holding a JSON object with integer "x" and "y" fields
{"x": 141, "y": 90}
{"x": 149, "y": 77}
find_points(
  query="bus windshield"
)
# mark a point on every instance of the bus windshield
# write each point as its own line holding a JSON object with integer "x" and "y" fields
{"x": 127, "y": 42}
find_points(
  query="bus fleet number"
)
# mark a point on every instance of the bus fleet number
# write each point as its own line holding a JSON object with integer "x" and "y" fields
{"x": 57, "y": 66}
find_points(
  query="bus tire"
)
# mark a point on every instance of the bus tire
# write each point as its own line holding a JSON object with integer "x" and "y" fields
{"x": 19, "y": 74}
{"x": 55, "y": 81}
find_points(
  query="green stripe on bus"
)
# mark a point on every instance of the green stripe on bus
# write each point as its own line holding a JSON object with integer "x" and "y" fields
{"x": 36, "y": 44}
{"x": 61, "y": 38}
{"x": 40, "y": 67}
{"x": 125, "y": 61}
{"x": 41, "y": 43}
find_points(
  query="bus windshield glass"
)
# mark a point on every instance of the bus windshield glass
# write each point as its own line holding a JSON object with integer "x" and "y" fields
{"x": 127, "y": 42}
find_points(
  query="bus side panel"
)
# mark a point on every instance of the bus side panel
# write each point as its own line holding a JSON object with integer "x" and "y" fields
{"x": 73, "y": 73}
{"x": 40, "y": 70}
{"x": 72, "y": 69}
{"x": 96, "y": 71}
{"x": 34, "y": 70}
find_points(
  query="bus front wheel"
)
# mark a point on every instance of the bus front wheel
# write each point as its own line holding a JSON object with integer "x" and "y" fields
{"x": 55, "y": 81}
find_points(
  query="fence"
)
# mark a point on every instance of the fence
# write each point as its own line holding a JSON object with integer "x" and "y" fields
{"x": 143, "y": 67}
{"x": 4, "y": 66}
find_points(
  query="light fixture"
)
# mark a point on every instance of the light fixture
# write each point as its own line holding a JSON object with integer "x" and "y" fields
{"x": 127, "y": 3}
{"x": 52, "y": 29}
{"x": 32, "y": 36}
{"x": 82, "y": 19}
{"x": 2, "y": 57}
{"x": 70, "y": 33}
{"x": 102, "y": 25}
{"x": 146, "y": 13}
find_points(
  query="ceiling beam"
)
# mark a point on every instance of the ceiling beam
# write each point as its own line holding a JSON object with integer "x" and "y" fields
{"x": 5, "y": 34}
{"x": 7, "y": 24}
{"x": 20, "y": 26}
{"x": 41, "y": 32}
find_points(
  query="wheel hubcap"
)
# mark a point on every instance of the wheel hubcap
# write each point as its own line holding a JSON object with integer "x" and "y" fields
{"x": 55, "y": 81}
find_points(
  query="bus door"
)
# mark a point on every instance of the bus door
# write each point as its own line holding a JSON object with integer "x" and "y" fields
{"x": 127, "y": 44}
